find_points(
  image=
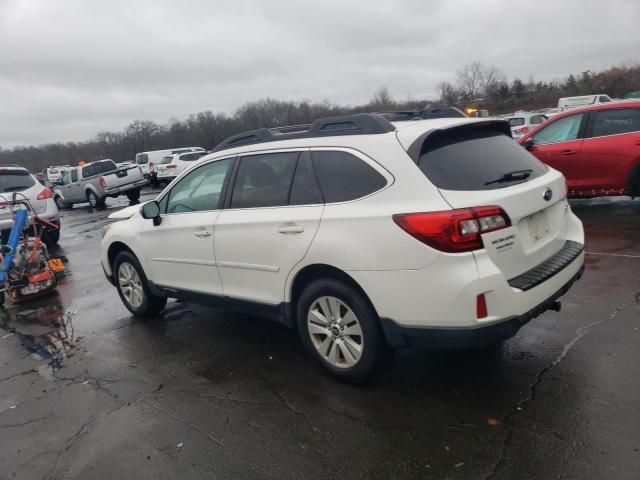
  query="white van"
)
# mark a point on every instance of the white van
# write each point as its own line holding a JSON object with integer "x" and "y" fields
{"x": 569, "y": 103}
{"x": 148, "y": 161}
{"x": 53, "y": 174}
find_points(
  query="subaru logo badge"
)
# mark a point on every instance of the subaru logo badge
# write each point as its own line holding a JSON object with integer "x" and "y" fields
{"x": 548, "y": 194}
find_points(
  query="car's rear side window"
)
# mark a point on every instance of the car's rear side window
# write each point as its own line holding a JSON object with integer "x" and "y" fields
{"x": 15, "y": 181}
{"x": 344, "y": 176}
{"x": 614, "y": 122}
{"x": 264, "y": 180}
{"x": 476, "y": 158}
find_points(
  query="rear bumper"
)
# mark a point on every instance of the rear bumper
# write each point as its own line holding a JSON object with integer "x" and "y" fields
{"x": 468, "y": 337}
{"x": 51, "y": 214}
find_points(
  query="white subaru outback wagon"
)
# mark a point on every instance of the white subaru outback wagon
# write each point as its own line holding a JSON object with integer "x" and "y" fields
{"x": 365, "y": 235}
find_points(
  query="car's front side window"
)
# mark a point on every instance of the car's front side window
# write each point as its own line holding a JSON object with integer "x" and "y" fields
{"x": 66, "y": 178}
{"x": 562, "y": 130}
{"x": 198, "y": 191}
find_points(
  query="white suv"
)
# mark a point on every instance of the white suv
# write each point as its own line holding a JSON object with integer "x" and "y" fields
{"x": 363, "y": 234}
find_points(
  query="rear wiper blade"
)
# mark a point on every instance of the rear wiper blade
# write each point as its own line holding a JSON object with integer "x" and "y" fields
{"x": 512, "y": 176}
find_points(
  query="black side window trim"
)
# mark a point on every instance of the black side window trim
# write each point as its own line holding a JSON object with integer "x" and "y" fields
{"x": 305, "y": 156}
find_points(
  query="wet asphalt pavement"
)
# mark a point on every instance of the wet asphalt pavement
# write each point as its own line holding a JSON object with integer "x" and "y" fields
{"x": 86, "y": 391}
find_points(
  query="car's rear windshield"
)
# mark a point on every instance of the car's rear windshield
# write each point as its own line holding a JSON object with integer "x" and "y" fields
{"x": 166, "y": 160}
{"x": 516, "y": 122}
{"x": 476, "y": 158}
{"x": 15, "y": 180}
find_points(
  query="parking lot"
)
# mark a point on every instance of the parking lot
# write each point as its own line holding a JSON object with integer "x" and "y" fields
{"x": 89, "y": 392}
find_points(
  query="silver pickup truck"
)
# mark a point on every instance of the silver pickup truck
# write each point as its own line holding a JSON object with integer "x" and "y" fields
{"x": 95, "y": 181}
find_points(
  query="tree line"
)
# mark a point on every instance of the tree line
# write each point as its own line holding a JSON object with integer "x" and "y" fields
{"x": 475, "y": 85}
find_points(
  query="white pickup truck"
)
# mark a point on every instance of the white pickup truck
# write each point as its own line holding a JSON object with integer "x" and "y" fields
{"x": 95, "y": 181}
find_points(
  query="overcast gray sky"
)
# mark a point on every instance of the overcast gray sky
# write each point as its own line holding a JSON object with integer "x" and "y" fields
{"x": 71, "y": 68}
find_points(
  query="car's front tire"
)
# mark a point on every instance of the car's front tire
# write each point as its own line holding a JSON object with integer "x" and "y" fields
{"x": 61, "y": 204}
{"x": 340, "y": 330}
{"x": 133, "y": 287}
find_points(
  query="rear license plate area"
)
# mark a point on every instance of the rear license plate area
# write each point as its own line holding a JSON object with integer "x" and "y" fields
{"x": 538, "y": 226}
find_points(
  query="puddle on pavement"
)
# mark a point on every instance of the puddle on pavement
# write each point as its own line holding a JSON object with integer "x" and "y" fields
{"x": 44, "y": 328}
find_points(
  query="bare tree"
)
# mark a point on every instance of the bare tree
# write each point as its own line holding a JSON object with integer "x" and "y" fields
{"x": 492, "y": 79}
{"x": 382, "y": 99}
{"x": 470, "y": 78}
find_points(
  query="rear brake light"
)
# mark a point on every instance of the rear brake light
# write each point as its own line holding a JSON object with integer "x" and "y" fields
{"x": 102, "y": 182}
{"x": 44, "y": 194}
{"x": 453, "y": 231}
{"x": 481, "y": 306}
{"x": 522, "y": 130}
{"x": 171, "y": 166}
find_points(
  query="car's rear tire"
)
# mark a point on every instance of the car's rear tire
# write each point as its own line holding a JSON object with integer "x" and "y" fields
{"x": 94, "y": 201}
{"x": 634, "y": 182}
{"x": 133, "y": 195}
{"x": 133, "y": 287}
{"x": 340, "y": 330}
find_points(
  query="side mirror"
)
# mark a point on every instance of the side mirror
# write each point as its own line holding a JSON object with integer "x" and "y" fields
{"x": 528, "y": 144}
{"x": 151, "y": 210}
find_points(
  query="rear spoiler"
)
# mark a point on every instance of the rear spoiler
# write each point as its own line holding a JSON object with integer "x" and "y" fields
{"x": 498, "y": 125}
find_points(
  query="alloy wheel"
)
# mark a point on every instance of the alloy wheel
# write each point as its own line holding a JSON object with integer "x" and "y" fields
{"x": 130, "y": 284}
{"x": 335, "y": 332}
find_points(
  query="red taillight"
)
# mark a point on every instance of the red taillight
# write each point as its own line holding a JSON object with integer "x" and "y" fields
{"x": 522, "y": 130}
{"x": 102, "y": 182}
{"x": 453, "y": 231}
{"x": 171, "y": 166}
{"x": 481, "y": 306}
{"x": 44, "y": 194}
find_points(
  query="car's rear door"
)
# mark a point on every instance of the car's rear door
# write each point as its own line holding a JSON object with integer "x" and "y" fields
{"x": 271, "y": 216}
{"x": 559, "y": 144}
{"x": 610, "y": 149}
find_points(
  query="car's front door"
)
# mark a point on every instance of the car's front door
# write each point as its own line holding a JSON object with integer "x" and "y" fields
{"x": 179, "y": 251}
{"x": 610, "y": 149}
{"x": 72, "y": 190}
{"x": 559, "y": 143}
{"x": 272, "y": 215}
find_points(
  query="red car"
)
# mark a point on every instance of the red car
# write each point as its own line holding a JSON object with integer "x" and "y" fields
{"x": 596, "y": 148}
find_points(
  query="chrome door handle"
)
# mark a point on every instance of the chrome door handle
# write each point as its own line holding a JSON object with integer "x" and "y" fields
{"x": 291, "y": 229}
{"x": 203, "y": 234}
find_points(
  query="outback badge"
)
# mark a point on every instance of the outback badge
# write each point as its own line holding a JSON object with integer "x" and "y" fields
{"x": 548, "y": 194}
